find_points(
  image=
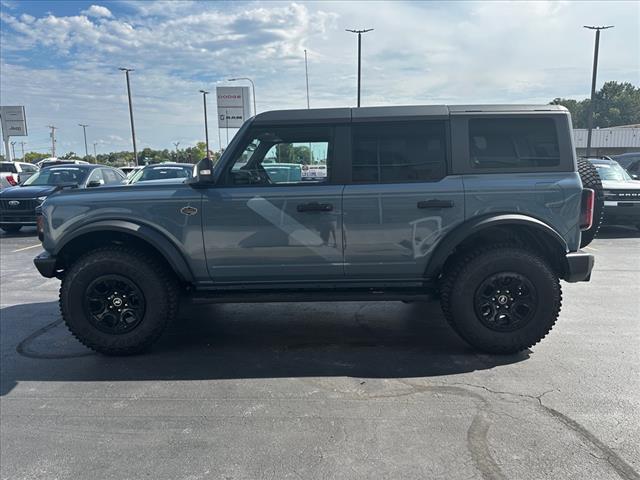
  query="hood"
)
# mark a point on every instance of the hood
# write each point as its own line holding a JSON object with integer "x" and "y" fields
{"x": 28, "y": 191}
{"x": 617, "y": 185}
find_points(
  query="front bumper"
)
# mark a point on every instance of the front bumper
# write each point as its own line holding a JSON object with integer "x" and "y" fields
{"x": 578, "y": 266}
{"x": 46, "y": 264}
{"x": 621, "y": 213}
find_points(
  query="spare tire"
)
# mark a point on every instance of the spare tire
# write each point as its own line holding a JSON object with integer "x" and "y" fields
{"x": 591, "y": 179}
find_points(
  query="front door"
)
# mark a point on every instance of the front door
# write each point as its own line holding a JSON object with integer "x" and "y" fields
{"x": 400, "y": 201}
{"x": 276, "y": 215}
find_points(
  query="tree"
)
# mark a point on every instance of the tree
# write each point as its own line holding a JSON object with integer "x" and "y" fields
{"x": 616, "y": 103}
{"x": 34, "y": 157}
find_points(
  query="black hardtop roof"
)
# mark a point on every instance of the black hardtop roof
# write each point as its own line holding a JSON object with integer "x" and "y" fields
{"x": 395, "y": 112}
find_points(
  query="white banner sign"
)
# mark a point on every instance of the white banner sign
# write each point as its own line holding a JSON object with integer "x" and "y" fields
{"x": 14, "y": 122}
{"x": 234, "y": 106}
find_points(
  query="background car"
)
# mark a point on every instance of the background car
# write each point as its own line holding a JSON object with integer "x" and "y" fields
{"x": 630, "y": 162}
{"x": 621, "y": 193}
{"x": 178, "y": 172}
{"x": 12, "y": 173}
{"x": 18, "y": 204}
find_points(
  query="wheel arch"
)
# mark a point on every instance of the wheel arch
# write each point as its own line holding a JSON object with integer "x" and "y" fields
{"x": 518, "y": 229}
{"x": 106, "y": 232}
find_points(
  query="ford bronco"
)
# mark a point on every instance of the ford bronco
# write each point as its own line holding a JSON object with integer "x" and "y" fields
{"x": 482, "y": 207}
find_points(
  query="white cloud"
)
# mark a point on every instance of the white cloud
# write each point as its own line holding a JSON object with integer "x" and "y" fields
{"x": 97, "y": 11}
{"x": 418, "y": 53}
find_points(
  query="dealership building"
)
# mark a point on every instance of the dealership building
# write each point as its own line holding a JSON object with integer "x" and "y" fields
{"x": 608, "y": 141}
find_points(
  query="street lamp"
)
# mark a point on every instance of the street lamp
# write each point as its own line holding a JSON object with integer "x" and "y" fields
{"x": 133, "y": 130}
{"x": 359, "y": 32}
{"x": 253, "y": 89}
{"x": 593, "y": 83}
{"x": 206, "y": 126}
{"x": 84, "y": 129}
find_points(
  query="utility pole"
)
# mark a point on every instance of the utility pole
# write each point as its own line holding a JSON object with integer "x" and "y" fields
{"x": 22, "y": 144}
{"x": 593, "y": 83}
{"x": 206, "y": 125}
{"x": 176, "y": 145}
{"x": 133, "y": 130}
{"x": 95, "y": 151}
{"x": 13, "y": 150}
{"x": 84, "y": 129}
{"x": 359, "y": 32}
{"x": 306, "y": 74}
{"x": 53, "y": 140}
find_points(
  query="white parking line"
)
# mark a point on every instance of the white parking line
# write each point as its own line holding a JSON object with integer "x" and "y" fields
{"x": 27, "y": 248}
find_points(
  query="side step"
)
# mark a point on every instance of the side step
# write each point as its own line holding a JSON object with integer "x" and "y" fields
{"x": 307, "y": 295}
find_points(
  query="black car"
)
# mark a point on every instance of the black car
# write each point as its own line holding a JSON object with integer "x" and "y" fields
{"x": 18, "y": 204}
{"x": 621, "y": 193}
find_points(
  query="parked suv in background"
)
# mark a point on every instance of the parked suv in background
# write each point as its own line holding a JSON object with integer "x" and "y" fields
{"x": 481, "y": 206}
{"x": 621, "y": 194}
{"x": 18, "y": 204}
{"x": 12, "y": 173}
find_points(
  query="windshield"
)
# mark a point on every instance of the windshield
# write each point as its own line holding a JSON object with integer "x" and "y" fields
{"x": 613, "y": 172}
{"x": 161, "y": 173}
{"x": 57, "y": 176}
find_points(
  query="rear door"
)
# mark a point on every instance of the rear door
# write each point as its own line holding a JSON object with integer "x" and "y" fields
{"x": 400, "y": 201}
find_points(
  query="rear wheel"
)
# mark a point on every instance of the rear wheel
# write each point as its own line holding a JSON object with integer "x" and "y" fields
{"x": 501, "y": 299}
{"x": 10, "y": 228}
{"x": 118, "y": 301}
{"x": 591, "y": 179}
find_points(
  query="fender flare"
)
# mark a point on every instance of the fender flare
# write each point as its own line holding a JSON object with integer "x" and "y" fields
{"x": 455, "y": 237}
{"x": 168, "y": 249}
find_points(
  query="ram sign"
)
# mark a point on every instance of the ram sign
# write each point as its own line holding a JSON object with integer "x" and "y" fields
{"x": 234, "y": 106}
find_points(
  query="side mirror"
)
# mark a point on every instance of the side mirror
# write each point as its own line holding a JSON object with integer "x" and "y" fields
{"x": 204, "y": 172}
{"x": 95, "y": 183}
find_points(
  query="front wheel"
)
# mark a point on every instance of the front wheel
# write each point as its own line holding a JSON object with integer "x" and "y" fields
{"x": 501, "y": 299}
{"x": 117, "y": 301}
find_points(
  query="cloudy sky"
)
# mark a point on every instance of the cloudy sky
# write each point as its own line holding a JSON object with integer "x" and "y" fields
{"x": 60, "y": 59}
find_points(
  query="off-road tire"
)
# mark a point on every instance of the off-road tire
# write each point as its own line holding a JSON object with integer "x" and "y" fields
{"x": 465, "y": 276}
{"x": 10, "y": 228}
{"x": 157, "y": 284}
{"x": 591, "y": 179}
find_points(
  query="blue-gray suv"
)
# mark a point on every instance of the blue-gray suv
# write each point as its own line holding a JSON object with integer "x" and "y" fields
{"x": 482, "y": 207}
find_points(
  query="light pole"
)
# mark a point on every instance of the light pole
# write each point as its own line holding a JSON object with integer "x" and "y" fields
{"x": 22, "y": 144}
{"x": 206, "y": 125}
{"x": 306, "y": 74}
{"x": 253, "y": 90}
{"x": 133, "y": 130}
{"x": 84, "y": 129}
{"x": 359, "y": 32}
{"x": 95, "y": 151}
{"x": 593, "y": 84}
{"x": 13, "y": 150}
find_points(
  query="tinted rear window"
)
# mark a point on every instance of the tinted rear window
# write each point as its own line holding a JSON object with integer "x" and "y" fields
{"x": 399, "y": 152}
{"x": 513, "y": 143}
{"x": 8, "y": 168}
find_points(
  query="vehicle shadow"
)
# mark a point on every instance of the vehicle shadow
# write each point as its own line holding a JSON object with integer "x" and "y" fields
{"x": 617, "y": 231}
{"x": 363, "y": 340}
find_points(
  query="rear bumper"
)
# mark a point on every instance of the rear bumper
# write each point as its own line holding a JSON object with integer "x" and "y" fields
{"x": 578, "y": 266}
{"x": 46, "y": 264}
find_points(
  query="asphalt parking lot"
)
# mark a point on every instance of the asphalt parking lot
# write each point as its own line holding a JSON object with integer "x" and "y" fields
{"x": 353, "y": 390}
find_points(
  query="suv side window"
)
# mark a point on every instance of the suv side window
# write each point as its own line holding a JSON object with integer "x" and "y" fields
{"x": 110, "y": 176}
{"x": 399, "y": 152}
{"x": 96, "y": 176}
{"x": 513, "y": 143}
{"x": 283, "y": 156}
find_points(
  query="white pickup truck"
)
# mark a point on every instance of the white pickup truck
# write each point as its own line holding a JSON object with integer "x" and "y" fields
{"x": 12, "y": 173}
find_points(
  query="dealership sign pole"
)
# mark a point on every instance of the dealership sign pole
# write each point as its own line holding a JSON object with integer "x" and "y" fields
{"x": 234, "y": 107}
{"x": 14, "y": 124}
